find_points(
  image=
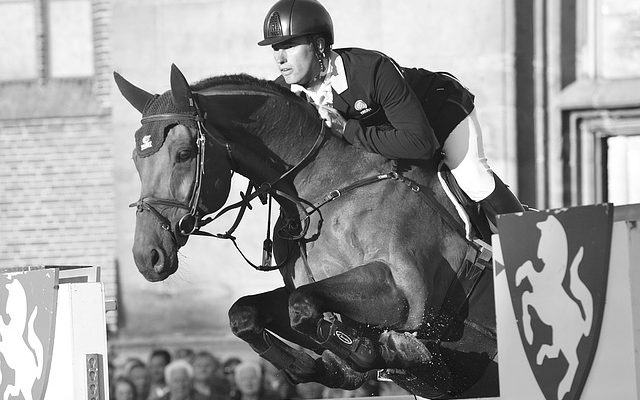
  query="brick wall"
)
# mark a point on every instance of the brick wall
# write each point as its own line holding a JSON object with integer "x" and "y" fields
{"x": 56, "y": 166}
{"x": 56, "y": 194}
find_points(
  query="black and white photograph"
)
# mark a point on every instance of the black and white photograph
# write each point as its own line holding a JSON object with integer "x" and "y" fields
{"x": 319, "y": 199}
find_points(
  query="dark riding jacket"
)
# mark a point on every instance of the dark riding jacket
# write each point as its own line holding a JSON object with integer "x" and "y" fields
{"x": 401, "y": 113}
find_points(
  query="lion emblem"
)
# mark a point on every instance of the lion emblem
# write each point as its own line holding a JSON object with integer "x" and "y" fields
{"x": 547, "y": 291}
{"x": 20, "y": 348}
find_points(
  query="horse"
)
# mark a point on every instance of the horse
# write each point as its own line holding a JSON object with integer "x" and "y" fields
{"x": 378, "y": 273}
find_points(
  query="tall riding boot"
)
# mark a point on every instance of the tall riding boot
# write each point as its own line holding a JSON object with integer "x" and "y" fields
{"x": 500, "y": 201}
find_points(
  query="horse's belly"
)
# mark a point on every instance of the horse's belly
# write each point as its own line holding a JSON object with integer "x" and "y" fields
{"x": 333, "y": 259}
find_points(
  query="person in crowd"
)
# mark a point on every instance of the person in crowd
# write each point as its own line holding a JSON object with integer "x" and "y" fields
{"x": 369, "y": 388}
{"x": 228, "y": 369}
{"x": 206, "y": 377}
{"x": 249, "y": 382}
{"x": 123, "y": 389}
{"x": 309, "y": 390}
{"x": 178, "y": 375}
{"x": 337, "y": 393}
{"x": 158, "y": 360}
{"x": 111, "y": 374}
{"x": 371, "y": 102}
{"x": 184, "y": 353}
{"x": 388, "y": 389}
{"x": 136, "y": 370}
{"x": 275, "y": 381}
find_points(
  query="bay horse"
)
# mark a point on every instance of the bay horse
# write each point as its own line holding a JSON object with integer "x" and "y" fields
{"x": 378, "y": 273}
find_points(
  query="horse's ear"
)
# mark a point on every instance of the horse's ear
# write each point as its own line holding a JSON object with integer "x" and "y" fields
{"x": 180, "y": 90}
{"x": 134, "y": 95}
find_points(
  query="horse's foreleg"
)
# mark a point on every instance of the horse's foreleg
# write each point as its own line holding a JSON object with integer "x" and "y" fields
{"x": 253, "y": 317}
{"x": 366, "y": 294}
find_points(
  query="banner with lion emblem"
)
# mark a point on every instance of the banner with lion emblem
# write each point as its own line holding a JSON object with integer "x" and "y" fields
{"x": 557, "y": 265}
{"x": 27, "y": 317}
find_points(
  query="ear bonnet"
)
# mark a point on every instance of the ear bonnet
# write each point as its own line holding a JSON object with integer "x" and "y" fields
{"x": 151, "y": 135}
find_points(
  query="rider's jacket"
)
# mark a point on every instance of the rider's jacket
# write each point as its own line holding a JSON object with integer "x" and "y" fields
{"x": 401, "y": 113}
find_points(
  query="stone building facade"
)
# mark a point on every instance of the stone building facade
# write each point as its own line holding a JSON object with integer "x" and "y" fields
{"x": 56, "y": 162}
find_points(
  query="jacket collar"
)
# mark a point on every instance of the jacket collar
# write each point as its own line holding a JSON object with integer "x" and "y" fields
{"x": 336, "y": 74}
{"x": 339, "y": 76}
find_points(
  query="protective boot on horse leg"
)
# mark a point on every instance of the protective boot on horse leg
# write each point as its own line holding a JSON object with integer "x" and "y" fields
{"x": 369, "y": 292}
{"x": 464, "y": 155}
{"x": 250, "y": 315}
{"x": 299, "y": 367}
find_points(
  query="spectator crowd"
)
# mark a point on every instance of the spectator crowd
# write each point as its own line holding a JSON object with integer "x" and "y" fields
{"x": 189, "y": 375}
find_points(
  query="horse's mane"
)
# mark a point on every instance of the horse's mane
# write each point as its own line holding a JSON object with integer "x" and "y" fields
{"x": 244, "y": 79}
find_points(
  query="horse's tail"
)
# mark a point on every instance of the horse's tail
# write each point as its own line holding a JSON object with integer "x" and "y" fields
{"x": 581, "y": 292}
{"x": 35, "y": 343}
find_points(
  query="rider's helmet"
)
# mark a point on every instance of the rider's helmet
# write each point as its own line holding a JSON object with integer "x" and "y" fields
{"x": 288, "y": 19}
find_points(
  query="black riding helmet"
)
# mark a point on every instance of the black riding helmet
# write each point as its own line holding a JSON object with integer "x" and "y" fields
{"x": 288, "y": 19}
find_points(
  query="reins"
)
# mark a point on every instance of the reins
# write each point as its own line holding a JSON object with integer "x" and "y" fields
{"x": 191, "y": 222}
{"x": 265, "y": 189}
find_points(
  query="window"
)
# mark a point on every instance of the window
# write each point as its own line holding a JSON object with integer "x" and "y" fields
{"x": 605, "y": 149}
{"x": 70, "y": 38}
{"x": 623, "y": 174}
{"x": 45, "y": 39}
{"x": 618, "y": 39}
{"x": 600, "y": 110}
{"x": 18, "y": 45}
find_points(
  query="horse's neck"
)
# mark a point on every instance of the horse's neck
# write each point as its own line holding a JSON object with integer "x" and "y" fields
{"x": 286, "y": 131}
{"x": 281, "y": 133}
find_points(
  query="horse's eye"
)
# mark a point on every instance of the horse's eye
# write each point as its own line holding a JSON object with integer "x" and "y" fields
{"x": 184, "y": 155}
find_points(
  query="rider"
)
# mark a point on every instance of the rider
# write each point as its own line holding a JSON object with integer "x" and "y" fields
{"x": 400, "y": 113}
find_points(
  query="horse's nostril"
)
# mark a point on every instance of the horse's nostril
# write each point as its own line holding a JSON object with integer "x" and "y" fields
{"x": 155, "y": 257}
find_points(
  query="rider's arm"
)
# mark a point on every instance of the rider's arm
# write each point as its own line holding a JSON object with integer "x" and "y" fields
{"x": 407, "y": 134}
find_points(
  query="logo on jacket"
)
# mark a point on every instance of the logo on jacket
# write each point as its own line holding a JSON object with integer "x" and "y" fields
{"x": 361, "y": 106}
{"x": 557, "y": 274}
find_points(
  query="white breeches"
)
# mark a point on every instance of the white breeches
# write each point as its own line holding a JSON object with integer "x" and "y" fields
{"x": 464, "y": 155}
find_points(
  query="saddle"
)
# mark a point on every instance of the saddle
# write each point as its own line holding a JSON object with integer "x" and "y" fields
{"x": 475, "y": 221}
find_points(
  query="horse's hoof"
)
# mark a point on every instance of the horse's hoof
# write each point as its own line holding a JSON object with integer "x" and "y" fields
{"x": 338, "y": 374}
{"x": 403, "y": 350}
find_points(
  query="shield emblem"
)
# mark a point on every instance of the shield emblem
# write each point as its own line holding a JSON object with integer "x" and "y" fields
{"x": 557, "y": 265}
{"x": 27, "y": 321}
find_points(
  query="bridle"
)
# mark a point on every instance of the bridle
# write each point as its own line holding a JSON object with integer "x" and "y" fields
{"x": 189, "y": 222}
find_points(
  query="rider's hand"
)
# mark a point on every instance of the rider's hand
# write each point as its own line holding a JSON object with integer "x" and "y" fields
{"x": 332, "y": 118}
